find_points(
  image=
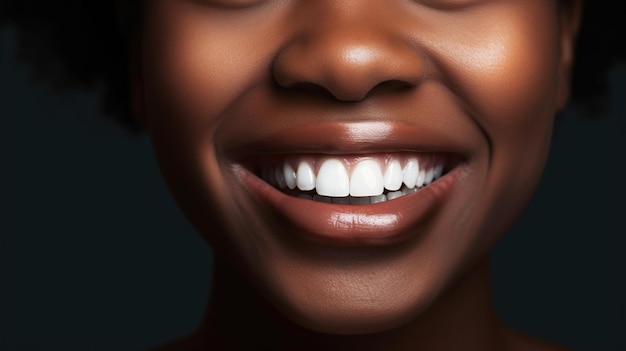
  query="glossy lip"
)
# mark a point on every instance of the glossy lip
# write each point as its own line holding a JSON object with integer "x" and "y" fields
{"x": 380, "y": 224}
{"x": 348, "y": 138}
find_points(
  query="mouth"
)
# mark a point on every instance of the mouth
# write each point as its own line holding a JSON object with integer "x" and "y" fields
{"x": 364, "y": 200}
{"x": 351, "y": 179}
{"x": 350, "y": 188}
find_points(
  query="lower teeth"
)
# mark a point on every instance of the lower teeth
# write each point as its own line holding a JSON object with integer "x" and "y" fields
{"x": 352, "y": 200}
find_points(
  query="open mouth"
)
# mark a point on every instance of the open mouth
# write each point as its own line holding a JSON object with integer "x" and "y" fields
{"x": 357, "y": 184}
{"x": 351, "y": 179}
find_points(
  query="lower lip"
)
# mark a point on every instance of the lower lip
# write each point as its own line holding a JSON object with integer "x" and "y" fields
{"x": 380, "y": 224}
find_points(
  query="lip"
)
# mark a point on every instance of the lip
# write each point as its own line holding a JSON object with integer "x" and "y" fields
{"x": 348, "y": 138}
{"x": 380, "y": 224}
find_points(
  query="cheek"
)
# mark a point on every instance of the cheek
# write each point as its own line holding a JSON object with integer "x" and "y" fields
{"x": 507, "y": 74}
{"x": 196, "y": 66}
{"x": 507, "y": 80}
{"x": 506, "y": 77}
{"x": 197, "y": 63}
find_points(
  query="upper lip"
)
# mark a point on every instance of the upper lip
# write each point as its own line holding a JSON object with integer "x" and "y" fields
{"x": 348, "y": 138}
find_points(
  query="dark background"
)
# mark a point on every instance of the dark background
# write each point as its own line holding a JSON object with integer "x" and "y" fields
{"x": 94, "y": 254}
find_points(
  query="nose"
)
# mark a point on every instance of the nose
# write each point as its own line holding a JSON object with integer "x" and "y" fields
{"x": 350, "y": 54}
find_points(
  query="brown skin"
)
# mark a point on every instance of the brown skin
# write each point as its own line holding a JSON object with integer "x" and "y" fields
{"x": 477, "y": 79}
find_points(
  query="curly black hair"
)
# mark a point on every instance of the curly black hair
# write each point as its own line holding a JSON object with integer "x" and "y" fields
{"x": 84, "y": 44}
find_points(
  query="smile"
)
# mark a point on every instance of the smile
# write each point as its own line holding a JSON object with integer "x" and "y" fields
{"x": 380, "y": 186}
{"x": 353, "y": 180}
{"x": 384, "y": 219}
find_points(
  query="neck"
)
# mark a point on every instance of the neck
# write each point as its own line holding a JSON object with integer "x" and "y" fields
{"x": 461, "y": 319}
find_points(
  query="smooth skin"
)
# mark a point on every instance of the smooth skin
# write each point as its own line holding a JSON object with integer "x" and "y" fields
{"x": 477, "y": 79}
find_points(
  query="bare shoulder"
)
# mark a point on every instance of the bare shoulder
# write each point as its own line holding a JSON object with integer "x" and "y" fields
{"x": 518, "y": 341}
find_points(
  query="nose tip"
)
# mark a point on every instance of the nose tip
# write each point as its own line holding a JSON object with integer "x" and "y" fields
{"x": 349, "y": 65}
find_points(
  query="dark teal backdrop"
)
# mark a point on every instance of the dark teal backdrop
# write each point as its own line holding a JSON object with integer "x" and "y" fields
{"x": 94, "y": 254}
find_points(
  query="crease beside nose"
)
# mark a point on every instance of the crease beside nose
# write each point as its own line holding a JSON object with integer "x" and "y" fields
{"x": 349, "y": 67}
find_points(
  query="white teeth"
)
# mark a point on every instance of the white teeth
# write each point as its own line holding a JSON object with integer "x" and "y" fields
{"x": 322, "y": 198}
{"x": 367, "y": 179}
{"x": 429, "y": 176}
{"x": 420, "y": 179}
{"x": 394, "y": 195}
{"x": 377, "y": 199}
{"x": 438, "y": 171}
{"x": 359, "y": 200}
{"x": 305, "y": 178}
{"x": 393, "y": 176}
{"x": 410, "y": 173}
{"x": 366, "y": 185}
{"x": 332, "y": 179}
{"x": 280, "y": 178}
{"x": 290, "y": 176}
{"x": 340, "y": 200}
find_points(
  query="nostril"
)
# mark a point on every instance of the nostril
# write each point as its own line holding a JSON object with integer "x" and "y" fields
{"x": 348, "y": 65}
{"x": 337, "y": 93}
{"x": 304, "y": 88}
{"x": 347, "y": 94}
{"x": 390, "y": 86}
{"x": 312, "y": 89}
{"x": 346, "y": 79}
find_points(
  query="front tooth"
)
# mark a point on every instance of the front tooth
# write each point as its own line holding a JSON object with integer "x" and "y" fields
{"x": 393, "y": 176}
{"x": 410, "y": 173}
{"x": 332, "y": 179}
{"x": 290, "y": 176}
{"x": 367, "y": 179}
{"x": 305, "y": 178}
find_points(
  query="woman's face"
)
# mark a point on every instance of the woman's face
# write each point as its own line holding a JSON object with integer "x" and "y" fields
{"x": 294, "y": 135}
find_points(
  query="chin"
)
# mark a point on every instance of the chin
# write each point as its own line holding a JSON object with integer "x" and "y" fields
{"x": 354, "y": 319}
{"x": 367, "y": 298}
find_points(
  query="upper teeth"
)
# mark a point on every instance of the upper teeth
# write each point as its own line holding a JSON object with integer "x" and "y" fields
{"x": 360, "y": 177}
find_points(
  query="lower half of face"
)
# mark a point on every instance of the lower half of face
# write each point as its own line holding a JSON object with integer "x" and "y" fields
{"x": 353, "y": 160}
